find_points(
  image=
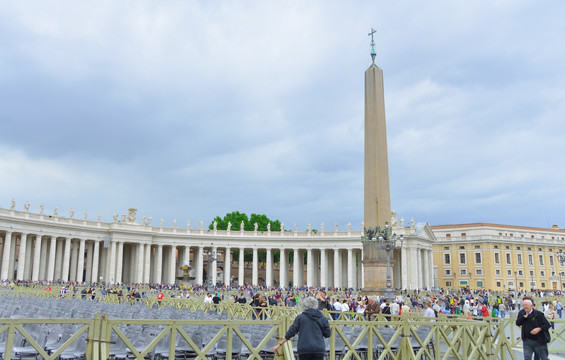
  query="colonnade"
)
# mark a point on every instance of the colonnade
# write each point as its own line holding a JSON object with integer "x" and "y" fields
{"x": 35, "y": 247}
{"x": 35, "y": 257}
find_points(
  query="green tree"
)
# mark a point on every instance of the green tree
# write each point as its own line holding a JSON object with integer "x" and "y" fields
{"x": 235, "y": 218}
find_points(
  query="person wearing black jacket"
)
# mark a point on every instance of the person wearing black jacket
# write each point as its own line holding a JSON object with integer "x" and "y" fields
{"x": 535, "y": 331}
{"x": 323, "y": 302}
{"x": 313, "y": 327}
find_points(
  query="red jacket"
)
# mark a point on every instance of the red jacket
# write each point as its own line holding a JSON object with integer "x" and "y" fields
{"x": 484, "y": 311}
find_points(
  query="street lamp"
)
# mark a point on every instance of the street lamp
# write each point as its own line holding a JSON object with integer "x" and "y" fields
{"x": 516, "y": 283}
{"x": 384, "y": 239}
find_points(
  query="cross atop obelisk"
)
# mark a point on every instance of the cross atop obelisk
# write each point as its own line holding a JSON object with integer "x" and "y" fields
{"x": 373, "y": 52}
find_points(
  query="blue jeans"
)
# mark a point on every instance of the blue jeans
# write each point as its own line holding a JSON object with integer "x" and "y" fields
{"x": 533, "y": 346}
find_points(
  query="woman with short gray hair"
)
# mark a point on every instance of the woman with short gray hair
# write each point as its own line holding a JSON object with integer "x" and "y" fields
{"x": 313, "y": 327}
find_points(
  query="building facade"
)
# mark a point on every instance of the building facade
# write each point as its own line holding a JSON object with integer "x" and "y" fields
{"x": 499, "y": 257}
{"x": 40, "y": 247}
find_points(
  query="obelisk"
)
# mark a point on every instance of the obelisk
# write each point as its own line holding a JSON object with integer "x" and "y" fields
{"x": 377, "y": 191}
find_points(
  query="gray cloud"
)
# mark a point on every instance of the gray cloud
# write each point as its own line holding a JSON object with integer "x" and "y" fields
{"x": 191, "y": 110}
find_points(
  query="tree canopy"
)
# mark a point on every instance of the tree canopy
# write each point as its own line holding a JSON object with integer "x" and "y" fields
{"x": 236, "y": 218}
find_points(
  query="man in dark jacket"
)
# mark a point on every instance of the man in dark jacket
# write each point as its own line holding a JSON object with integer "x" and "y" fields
{"x": 323, "y": 302}
{"x": 535, "y": 331}
{"x": 313, "y": 327}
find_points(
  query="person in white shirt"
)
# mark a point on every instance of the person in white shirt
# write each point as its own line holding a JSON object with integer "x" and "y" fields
{"x": 208, "y": 299}
{"x": 394, "y": 308}
{"x": 429, "y": 311}
{"x": 344, "y": 306}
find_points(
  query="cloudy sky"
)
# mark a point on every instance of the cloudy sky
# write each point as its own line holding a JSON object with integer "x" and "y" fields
{"x": 192, "y": 109}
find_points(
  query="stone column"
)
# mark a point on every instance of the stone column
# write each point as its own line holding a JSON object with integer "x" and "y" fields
{"x": 74, "y": 257}
{"x": 227, "y": 267}
{"x": 295, "y": 269}
{"x": 147, "y": 269}
{"x": 29, "y": 260}
{"x": 419, "y": 268}
{"x": 269, "y": 269}
{"x": 120, "y": 262}
{"x": 43, "y": 259}
{"x": 255, "y": 278}
{"x": 111, "y": 262}
{"x": 6, "y": 256}
{"x": 337, "y": 269}
{"x": 80, "y": 264}
{"x": 431, "y": 266}
{"x": 323, "y": 269}
{"x": 309, "y": 268}
{"x": 283, "y": 268}
{"x": 241, "y": 267}
{"x": 404, "y": 268}
{"x": 140, "y": 263}
{"x": 172, "y": 264}
{"x": 51, "y": 261}
{"x": 159, "y": 264}
{"x": 95, "y": 261}
{"x": 350, "y": 268}
{"x": 426, "y": 269}
{"x": 89, "y": 249}
{"x": 36, "y": 258}
{"x": 22, "y": 257}
{"x": 66, "y": 260}
{"x": 200, "y": 268}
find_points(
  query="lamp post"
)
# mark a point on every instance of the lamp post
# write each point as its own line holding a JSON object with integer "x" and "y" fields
{"x": 384, "y": 239}
{"x": 516, "y": 283}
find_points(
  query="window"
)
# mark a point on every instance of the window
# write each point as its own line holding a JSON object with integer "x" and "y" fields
{"x": 462, "y": 247}
{"x": 463, "y": 272}
{"x": 530, "y": 259}
{"x": 446, "y": 248}
{"x": 531, "y": 273}
{"x": 496, "y": 258}
{"x": 478, "y": 258}
{"x": 448, "y": 283}
{"x": 498, "y": 284}
{"x": 463, "y": 234}
{"x": 479, "y": 283}
{"x": 510, "y": 283}
{"x": 518, "y": 246}
{"x": 462, "y": 258}
{"x": 553, "y": 273}
{"x": 539, "y": 249}
{"x": 540, "y": 260}
{"x": 521, "y": 272}
{"x": 521, "y": 284}
{"x": 447, "y": 259}
{"x": 478, "y": 271}
{"x": 448, "y": 272}
{"x": 507, "y": 247}
{"x": 477, "y": 246}
{"x": 497, "y": 272}
{"x": 542, "y": 273}
{"x": 496, "y": 246}
{"x": 508, "y": 258}
{"x": 509, "y": 272}
{"x": 543, "y": 285}
{"x": 551, "y": 260}
{"x": 519, "y": 256}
